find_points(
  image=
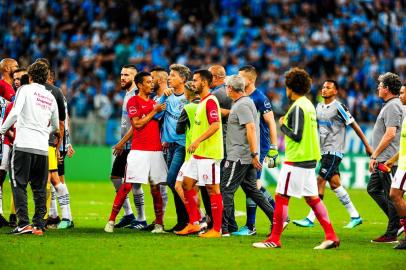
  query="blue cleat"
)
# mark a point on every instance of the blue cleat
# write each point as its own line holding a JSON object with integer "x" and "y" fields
{"x": 125, "y": 221}
{"x": 353, "y": 223}
{"x": 245, "y": 231}
{"x": 306, "y": 223}
{"x": 139, "y": 225}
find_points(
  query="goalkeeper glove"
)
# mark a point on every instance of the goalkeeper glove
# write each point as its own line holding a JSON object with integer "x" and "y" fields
{"x": 272, "y": 158}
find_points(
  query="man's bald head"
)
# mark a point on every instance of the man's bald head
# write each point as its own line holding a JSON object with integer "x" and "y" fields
{"x": 219, "y": 74}
{"x": 8, "y": 66}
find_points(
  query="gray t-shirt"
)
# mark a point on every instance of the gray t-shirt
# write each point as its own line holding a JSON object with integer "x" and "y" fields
{"x": 225, "y": 102}
{"x": 391, "y": 115}
{"x": 125, "y": 120}
{"x": 332, "y": 120}
{"x": 242, "y": 112}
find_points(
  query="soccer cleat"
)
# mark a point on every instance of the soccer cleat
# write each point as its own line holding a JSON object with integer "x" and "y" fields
{"x": 401, "y": 245}
{"x": 306, "y": 223}
{"x": 109, "y": 227}
{"x": 401, "y": 230}
{"x": 267, "y": 244}
{"x": 189, "y": 229}
{"x": 245, "y": 231}
{"x": 12, "y": 221}
{"x": 353, "y": 223}
{"x": 65, "y": 224}
{"x": 125, "y": 221}
{"x": 178, "y": 227}
{"x": 138, "y": 225}
{"x": 211, "y": 234}
{"x": 385, "y": 239}
{"x": 27, "y": 229}
{"x": 223, "y": 234}
{"x": 3, "y": 221}
{"x": 37, "y": 231}
{"x": 328, "y": 244}
{"x": 52, "y": 223}
{"x": 158, "y": 228}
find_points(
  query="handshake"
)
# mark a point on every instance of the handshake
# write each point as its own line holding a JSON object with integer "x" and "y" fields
{"x": 272, "y": 158}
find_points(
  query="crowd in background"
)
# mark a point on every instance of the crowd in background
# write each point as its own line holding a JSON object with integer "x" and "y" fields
{"x": 89, "y": 41}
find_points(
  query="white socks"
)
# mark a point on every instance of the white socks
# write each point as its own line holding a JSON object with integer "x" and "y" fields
{"x": 138, "y": 194}
{"x": 344, "y": 198}
{"x": 126, "y": 205}
{"x": 53, "y": 210}
{"x": 64, "y": 201}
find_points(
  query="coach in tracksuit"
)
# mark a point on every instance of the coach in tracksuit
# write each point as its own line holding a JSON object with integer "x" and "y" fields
{"x": 35, "y": 109}
{"x": 242, "y": 161}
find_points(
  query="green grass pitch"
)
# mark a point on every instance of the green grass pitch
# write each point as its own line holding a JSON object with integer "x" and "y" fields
{"x": 87, "y": 246}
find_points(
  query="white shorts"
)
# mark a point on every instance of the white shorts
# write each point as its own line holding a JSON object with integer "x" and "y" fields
{"x": 146, "y": 166}
{"x": 5, "y": 161}
{"x": 399, "y": 181}
{"x": 297, "y": 182}
{"x": 204, "y": 171}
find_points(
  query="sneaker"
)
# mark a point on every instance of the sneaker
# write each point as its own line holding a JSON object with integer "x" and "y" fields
{"x": 267, "y": 244}
{"x": 385, "y": 239}
{"x": 306, "y": 223}
{"x": 223, "y": 234}
{"x": 353, "y": 223}
{"x": 3, "y": 221}
{"x": 138, "y": 225}
{"x": 245, "y": 231}
{"x": 12, "y": 221}
{"x": 203, "y": 224}
{"x": 65, "y": 224}
{"x": 328, "y": 244}
{"x": 125, "y": 221}
{"x": 401, "y": 245}
{"x": 401, "y": 230}
{"x": 189, "y": 229}
{"x": 109, "y": 227}
{"x": 52, "y": 223}
{"x": 27, "y": 229}
{"x": 211, "y": 234}
{"x": 158, "y": 228}
{"x": 37, "y": 231}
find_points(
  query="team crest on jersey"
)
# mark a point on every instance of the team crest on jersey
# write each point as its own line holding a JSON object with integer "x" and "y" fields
{"x": 205, "y": 177}
{"x": 226, "y": 164}
{"x": 214, "y": 114}
{"x": 267, "y": 104}
{"x": 132, "y": 110}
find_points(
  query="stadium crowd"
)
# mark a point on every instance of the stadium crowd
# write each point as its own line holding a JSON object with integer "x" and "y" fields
{"x": 88, "y": 42}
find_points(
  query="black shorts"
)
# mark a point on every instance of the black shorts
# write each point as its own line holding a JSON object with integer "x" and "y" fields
{"x": 119, "y": 164}
{"x": 61, "y": 165}
{"x": 329, "y": 166}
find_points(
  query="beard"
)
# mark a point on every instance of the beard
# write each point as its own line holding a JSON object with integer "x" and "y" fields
{"x": 126, "y": 86}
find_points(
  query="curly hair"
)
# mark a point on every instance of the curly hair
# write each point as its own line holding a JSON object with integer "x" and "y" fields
{"x": 298, "y": 80}
{"x": 391, "y": 81}
{"x": 38, "y": 71}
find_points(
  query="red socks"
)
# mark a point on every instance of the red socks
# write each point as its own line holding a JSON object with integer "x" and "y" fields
{"x": 216, "y": 201}
{"x": 191, "y": 205}
{"x": 158, "y": 205}
{"x": 279, "y": 216}
{"x": 121, "y": 195}
{"x": 321, "y": 213}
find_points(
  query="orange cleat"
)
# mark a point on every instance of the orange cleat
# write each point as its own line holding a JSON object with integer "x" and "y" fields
{"x": 211, "y": 234}
{"x": 189, "y": 229}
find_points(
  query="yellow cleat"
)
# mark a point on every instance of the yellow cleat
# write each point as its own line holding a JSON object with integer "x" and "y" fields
{"x": 189, "y": 229}
{"x": 211, "y": 234}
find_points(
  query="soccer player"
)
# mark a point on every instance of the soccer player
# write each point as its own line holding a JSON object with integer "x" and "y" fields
{"x": 37, "y": 114}
{"x": 297, "y": 177}
{"x": 121, "y": 150}
{"x": 4, "y": 150}
{"x": 385, "y": 142}
{"x": 268, "y": 143}
{"x": 242, "y": 154}
{"x": 145, "y": 162}
{"x": 174, "y": 144}
{"x": 7, "y": 67}
{"x": 332, "y": 119}
{"x": 398, "y": 186}
{"x": 204, "y": 165}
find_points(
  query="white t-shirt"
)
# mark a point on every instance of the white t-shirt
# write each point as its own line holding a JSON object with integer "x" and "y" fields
{"x": 34, "y": 110}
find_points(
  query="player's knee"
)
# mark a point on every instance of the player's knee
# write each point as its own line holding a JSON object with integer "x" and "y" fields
{"x": 394, "y": 196}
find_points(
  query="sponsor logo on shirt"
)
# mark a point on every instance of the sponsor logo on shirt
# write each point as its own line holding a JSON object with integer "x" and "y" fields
{"x": 132, "y": 110}
{"x": 214, "y": 114}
